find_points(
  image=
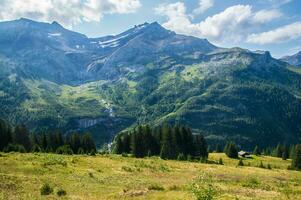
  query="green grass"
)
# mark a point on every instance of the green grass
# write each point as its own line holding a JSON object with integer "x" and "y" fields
{"x": 117, "y": 177}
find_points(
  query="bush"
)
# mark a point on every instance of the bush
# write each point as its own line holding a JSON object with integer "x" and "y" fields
{"x": 61, "y": 192}
{"x": 203, "y": 188}
{"x": 14, "y": 148}
{"x": 220, "y": 161}
{"x": 66, "y": 150}
{"x": 156, "y": 187}
{"x": 93, "y": 152}
{"x": 269, "y": 166}
{"x": 80, "y": 151}
{"x": 240, "y": 163}
{"x": 36, "y": 148}
{"x": 231, "y": 150}
{"x": 203, "y": 192}
{"x": 46, "y": 189}
{"x": 181, "y": 156}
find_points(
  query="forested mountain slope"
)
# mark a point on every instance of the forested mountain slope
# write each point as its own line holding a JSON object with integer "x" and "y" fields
{"x": 55, "y": 78}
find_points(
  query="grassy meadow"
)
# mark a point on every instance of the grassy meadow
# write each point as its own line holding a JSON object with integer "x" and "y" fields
{"x": 116, "y": 177}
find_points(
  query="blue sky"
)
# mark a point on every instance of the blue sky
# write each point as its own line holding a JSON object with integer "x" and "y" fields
{"x": 273, "y": 25}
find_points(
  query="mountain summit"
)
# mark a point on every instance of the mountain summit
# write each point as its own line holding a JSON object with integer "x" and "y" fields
{"x": 294, "y": 59}
{"x": 52, "y": 78}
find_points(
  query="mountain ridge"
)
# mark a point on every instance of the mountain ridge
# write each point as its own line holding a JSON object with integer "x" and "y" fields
{"x": 146, "y": 74}
{"x": 293, "y": 59}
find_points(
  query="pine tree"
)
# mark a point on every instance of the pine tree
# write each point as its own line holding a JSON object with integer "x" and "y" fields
{"x": 137, "y": 143}
{"x": 200, "y": 147}
{"x": 21, "y": 136}
{"x": 284, "y": 155}
{"x": 118, "y": 145}
{"x": 88, "y": 143}
{"x": 75, "y": 142}
{"x": 256, "y": 151}
{"x": 296, "y": 162}
{"x": 218, "y": 148}
{"x": 5, "y": 134}
{"x": 126, "y": 141}
{"x": 44, "y": 142}
{"x": 292, "y": 151}
{"x": 168, "y": 147}
{"x": 278, "y": 151}
{"x": 231, "y": 150}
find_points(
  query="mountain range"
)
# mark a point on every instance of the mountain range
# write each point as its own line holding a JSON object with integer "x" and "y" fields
{"x": 53, "y": 78}
{"x": 294, "y": 59}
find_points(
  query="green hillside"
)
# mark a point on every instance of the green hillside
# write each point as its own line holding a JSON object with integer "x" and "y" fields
{"x": 116, "y": 177}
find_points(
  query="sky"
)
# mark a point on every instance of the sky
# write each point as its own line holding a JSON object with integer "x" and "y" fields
{"x": 271, "y": 25}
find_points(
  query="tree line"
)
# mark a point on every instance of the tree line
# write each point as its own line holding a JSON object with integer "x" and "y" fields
{"x": 19, "y": 139}
{"x": 281, "y": 151}
{"x": 176, "y": 142}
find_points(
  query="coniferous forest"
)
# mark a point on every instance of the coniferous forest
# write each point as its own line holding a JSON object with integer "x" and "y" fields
{"x": 168, "y": 142}
{"x": 19, "y": 139}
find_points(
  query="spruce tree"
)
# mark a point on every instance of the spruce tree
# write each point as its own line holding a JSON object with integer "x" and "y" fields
{"x": 118, "y": 145}
{"x": 5, "y": 134}
{"x": 21, "y": 136}
{"x": 278, "y": 151}
{"x": 44, "y": 142}
{"x": 126, "y": 141}
{"x": 200, "y": 147}
{"x": 137, "y": 143}
{"x": 231, "y": 150}
{"x": 88, "y": 143}
{"x": 296, "y": 162}
{"x": 75, "y": 142}
{"x": 218, "y": 148}
{"x": 168, "y": 147}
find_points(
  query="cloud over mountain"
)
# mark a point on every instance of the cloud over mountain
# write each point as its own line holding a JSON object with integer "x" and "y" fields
{"x": 234, "y": 23}
{"x": 66, "y": 12}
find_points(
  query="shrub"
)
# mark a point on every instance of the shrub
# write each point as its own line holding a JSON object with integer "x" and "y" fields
{"x": 231, "y": 150}
{"x": 203, "y": 188}
{"x": 189, "y": 158}
{"x": 240, "y": 163}
{"x": 220, "y": 161}
{"x": 61, "y": 192}
{"x": 204, "y": 160}
{"x": 156, "y": 187}
{"x": 269, "y": 166}
{"x": 36, "y": 148}
{"x": 93, "y": 152}
{"x": 181, "y": 156}
{"x": 127, "y": 169}
{"x": 14, "y": 148}
{"x": 251, "y": 183}
{"x": 66, "y": 150}
{"x": 46, "y": 189}
{"x": 80, "y": 151}
{"x": 124, "y": 155}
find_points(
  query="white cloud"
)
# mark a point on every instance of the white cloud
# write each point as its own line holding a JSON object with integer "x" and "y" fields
{"x": 282, "y": 34}
{"x": 233, "y": 24}
{"x": 264, "y": 16}
{"x": 66, "y": 12}
{"x": 203, "y": 6}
